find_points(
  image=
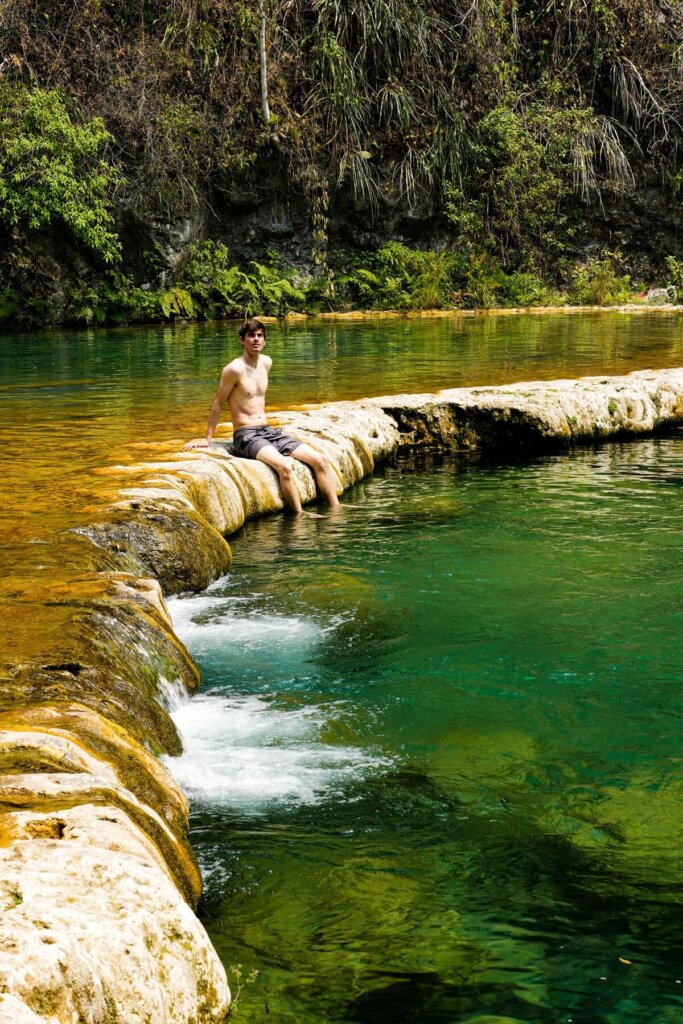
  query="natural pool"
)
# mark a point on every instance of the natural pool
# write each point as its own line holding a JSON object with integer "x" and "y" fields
{"x": 436, "y": 765}
{"x": 419, "y": 796}
{"x": 76, "y": 403}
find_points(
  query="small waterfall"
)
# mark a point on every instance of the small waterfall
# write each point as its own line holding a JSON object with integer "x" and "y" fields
{"x": 254, "y": 750}
{"x": 172, "y": 694}
{"x": 248, "y": 752}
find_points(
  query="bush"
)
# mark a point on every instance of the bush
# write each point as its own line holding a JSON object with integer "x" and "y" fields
{"x": 598, "y": 282}
{"x": 675, "y": 268}
{"x": 112, "y": 300}
{"x": 220, "y": 289}
{"x": 482, "y": 283}
{"x": 487, "y": 285}
{"x": 530, "y": 157}
{"x": 402, "y": 278}
{"x": 523, "y": 289}
{"x": 53, "y": 170}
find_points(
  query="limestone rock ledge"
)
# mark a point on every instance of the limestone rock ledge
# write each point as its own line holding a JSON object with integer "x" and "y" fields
{"x": 93, "y": 929}
{"x": 171, "y": 522}
{"x": 97, "y": 878}
{"x": 540, "y": 414}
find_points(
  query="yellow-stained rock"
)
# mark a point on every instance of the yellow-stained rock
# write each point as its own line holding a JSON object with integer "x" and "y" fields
{"x": 14, "y": 1010}
{"x": 180, "y": 548}
{"x": 75, "y": 738}
{"x": 56, "y": 791}
{"x": 104, "y": 641}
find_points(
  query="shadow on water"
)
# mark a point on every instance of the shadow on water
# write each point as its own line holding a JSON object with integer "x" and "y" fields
{"x": 413, "y": 998}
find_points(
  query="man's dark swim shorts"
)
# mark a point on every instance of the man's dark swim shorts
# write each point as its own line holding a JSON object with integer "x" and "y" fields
{"x": 247, "y": 442}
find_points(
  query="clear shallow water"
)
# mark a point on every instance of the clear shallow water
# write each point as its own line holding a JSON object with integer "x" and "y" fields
{"x": 76, "y": 402}
{"x": 436, "y": 769}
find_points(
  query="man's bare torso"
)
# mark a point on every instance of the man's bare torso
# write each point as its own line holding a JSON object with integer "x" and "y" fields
{"x": 247, "y": 399}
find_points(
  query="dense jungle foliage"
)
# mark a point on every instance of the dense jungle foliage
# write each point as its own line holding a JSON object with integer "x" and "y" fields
{"x": 504, "y": 132}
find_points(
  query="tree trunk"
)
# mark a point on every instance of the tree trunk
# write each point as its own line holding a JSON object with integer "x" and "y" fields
{"x": 264, "y": 68}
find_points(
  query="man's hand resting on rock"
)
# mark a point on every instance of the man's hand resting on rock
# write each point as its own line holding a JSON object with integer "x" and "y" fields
{"x": 199, "y": 442}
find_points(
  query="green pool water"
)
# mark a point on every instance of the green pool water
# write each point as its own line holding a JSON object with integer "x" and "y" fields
{"x": 436, "y": 770}
{"x": 76, "y": 402}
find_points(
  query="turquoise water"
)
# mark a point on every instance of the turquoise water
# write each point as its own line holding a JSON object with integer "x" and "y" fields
{"x": 436, "y": 769}
{"x": 75, "y": 402}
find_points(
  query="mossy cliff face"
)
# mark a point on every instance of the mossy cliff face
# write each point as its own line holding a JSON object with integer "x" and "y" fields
{"x": 98, "y": 879}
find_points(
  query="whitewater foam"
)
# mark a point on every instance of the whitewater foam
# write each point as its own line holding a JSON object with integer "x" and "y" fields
{"x": 249, "y": 752}
{"x": 211, "y": 621}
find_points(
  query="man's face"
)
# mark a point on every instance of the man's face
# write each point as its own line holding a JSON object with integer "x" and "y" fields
{"x": 254, "y": 342}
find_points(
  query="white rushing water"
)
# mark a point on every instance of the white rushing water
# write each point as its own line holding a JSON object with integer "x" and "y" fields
{"x": 249, "y": 751}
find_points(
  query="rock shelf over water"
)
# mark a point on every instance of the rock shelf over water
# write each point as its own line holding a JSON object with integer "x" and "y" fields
{"x": 540, "y": 414}
{"x": 98, "y": 880}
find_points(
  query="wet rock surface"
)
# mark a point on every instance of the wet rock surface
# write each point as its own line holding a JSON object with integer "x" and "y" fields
{"x": 176, "y": 546}
{"x": 98, "y": 879}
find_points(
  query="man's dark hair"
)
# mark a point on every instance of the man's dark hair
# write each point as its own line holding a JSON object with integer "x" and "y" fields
{"x": 252, "y": 325}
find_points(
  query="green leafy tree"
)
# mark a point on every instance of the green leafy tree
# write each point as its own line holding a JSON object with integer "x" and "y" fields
{"x": 532, "y": 160}
{"x": 53, "y": 170}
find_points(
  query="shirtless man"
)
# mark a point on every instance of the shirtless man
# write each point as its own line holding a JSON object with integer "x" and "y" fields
{"x": 243, "y": 386}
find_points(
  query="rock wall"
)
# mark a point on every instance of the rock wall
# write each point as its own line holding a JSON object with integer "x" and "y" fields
{"x": 98, "y": 881}
{"x": 271, "y": 213}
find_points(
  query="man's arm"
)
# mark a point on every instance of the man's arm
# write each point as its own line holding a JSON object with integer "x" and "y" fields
{"x": 229, "y": 378}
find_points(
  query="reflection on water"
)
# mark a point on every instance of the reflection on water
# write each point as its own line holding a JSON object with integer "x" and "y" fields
{"x": 77, "y": 401}
{"x": 464, "y": 734}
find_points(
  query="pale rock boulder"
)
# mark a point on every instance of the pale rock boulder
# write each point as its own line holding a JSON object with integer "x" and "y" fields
{"x": 94, "y": 930}
{"x": 47, "y": 790}
{"x": 540, "y": 414}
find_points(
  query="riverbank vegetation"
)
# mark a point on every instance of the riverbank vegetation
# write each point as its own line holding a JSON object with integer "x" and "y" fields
{"x": 215, "y": 157}
{"x": 210, "y": 286}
